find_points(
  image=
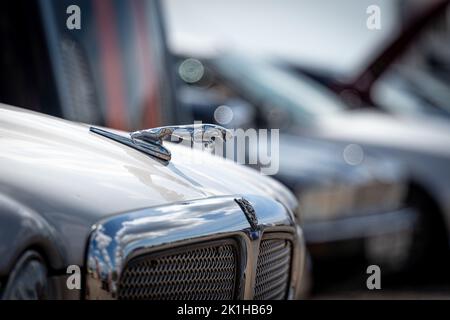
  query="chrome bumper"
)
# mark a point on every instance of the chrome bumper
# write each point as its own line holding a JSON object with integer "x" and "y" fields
{"x": 360, "y": 227}
{"x": 117, "y": 240}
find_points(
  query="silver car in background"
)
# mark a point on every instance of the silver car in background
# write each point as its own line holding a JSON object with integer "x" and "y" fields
{"x": 352, "y": 202}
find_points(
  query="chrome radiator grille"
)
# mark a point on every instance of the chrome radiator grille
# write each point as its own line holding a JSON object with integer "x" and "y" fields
{"x": 273, "y": 269}
{"x": 211, "y": 251}
{"x": 202, "y": 273}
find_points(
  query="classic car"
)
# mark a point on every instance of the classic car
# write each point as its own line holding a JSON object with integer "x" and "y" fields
{"x": 139, "y": 224}
{"x": 128, "y": 213}
{"x": 348, "y": 207}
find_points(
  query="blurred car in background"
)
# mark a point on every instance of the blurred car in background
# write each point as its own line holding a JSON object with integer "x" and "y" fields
{"x": 304, "y": 108}
{"x": 348, "y": 206}
{"x": 410, "y": 76}
{"x": 410, "y": 80}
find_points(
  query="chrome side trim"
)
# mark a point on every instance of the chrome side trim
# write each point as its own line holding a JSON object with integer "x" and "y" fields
{"x": 118, "y": 239}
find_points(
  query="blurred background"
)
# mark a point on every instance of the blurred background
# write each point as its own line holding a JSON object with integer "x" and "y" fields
{"x": 363, "y": 113}
{"x": 359, "y": 89}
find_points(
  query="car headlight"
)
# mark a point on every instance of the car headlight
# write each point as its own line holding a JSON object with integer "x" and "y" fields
{"x": 325, "y": 202}
{"x": 379, "y": 196}
{"x": 331, "y": 202}
{"x": 395, "y": 195}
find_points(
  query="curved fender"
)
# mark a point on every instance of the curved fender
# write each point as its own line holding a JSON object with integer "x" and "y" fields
{"x": 21, "y": 228}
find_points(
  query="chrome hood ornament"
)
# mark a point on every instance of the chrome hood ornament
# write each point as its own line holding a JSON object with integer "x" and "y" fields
{"x": 150, "y": 141}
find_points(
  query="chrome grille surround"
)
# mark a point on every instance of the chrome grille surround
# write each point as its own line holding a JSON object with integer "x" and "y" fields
{"x": 118, "y": 242}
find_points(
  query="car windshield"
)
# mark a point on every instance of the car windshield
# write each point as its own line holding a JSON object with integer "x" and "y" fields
{"x": 277, "y": 87}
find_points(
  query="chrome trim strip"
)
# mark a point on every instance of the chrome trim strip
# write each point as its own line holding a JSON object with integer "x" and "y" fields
{"x": 116, "y": 240}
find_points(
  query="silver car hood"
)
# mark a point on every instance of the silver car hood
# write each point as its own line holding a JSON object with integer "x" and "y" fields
{"x": 56, "y": 166}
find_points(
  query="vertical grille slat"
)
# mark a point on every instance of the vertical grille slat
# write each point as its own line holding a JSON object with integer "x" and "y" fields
{"x": 207, "y": 273}
{"x": 273, "y": 268}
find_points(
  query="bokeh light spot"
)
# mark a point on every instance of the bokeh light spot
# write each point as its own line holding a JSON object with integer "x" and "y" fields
{"x": 223, "y": 115}
{"x": 353, "y": 154}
